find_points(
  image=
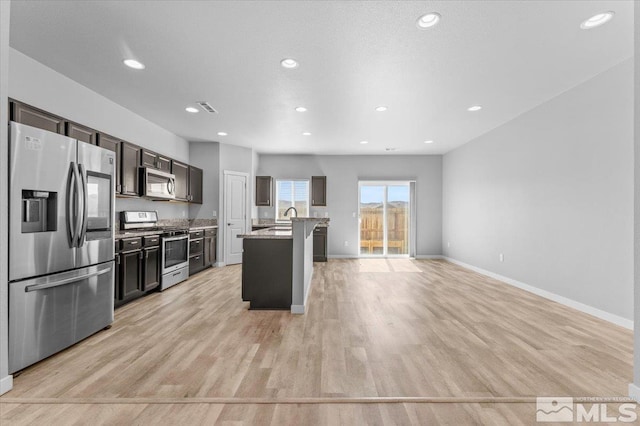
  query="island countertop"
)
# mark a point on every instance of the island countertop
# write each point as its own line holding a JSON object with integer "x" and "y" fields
{"x": 274, "y": 233}
{"x": 279, "y": 231}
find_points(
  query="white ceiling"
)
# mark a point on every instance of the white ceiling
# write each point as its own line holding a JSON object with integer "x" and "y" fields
{"x": 507, "y": 56}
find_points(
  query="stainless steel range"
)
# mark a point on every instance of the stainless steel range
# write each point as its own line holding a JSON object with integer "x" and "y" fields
{"x": 174, "y": 264}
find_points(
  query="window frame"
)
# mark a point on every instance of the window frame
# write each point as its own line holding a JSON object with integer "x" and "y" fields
{"x": 277, "y": 200}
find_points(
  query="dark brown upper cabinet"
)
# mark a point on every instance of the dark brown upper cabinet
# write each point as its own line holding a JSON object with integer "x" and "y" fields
{"x": 129, "y": 163}
{"x": 195, "y": 185}
{"x": 112, "y": 144}
{"x": 319, "y": 191}
{"x": 155, "y": 160}
{"x": 26, "y": 114}
{"x": 264, "y": 190}
{"x": 82, "y": 133}
{"x": 181, "y": 172}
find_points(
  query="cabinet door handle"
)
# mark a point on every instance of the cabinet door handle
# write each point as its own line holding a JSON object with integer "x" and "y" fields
{"x": 133, "y": 243}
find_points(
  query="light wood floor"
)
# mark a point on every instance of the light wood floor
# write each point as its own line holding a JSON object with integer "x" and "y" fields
{"x": 443, "y": 344}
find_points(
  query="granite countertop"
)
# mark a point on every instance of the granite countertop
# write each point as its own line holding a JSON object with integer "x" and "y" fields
{"x": 201, "y": 227}
{"x": 277, "y": 231}
{"x": 272, "y": 224}
{"x": 273, "y": 233}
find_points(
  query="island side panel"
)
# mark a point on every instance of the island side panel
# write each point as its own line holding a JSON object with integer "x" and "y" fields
{"x": 267, "y": 273}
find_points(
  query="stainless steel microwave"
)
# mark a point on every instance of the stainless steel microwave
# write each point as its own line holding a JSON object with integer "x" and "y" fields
{"x": 158, "y": 185}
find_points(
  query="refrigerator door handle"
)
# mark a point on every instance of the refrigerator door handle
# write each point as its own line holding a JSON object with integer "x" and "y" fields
{"x": 72, "y": 204}
{"x": 85, "y": 206}
{"x": 36, "y": 287}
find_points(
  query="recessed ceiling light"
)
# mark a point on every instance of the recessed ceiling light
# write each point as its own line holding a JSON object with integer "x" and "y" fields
{"x": 289, "y": 63}
{"x": 132, "y": 63}
{"x": 222, "y": 133}
{"x": 381, "y": 108}
{"x": 364, "y": 142}
{"x": 428, "y": 141}
{"x": 191, "y": 110}
{"x": 306, "y": 134}
{"x": 301, "y": 109}
{"x": 597, "y": 20}
{"x": 474, "y": 108}
{"x": 428, "y": 20}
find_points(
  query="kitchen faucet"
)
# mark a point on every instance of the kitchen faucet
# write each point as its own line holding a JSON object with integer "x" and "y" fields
{"x": 290, "y": 208}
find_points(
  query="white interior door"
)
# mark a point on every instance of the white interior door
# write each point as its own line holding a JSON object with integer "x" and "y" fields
{"x": 235, "y": 215}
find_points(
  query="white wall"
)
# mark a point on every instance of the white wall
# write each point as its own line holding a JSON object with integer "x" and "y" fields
{"x": 343, "y": 174}
{"x": 553, "y": 191}
{"x": 206, "y": 155}
{"x": 42, "y": 87}
{"x": 5, "y": 379}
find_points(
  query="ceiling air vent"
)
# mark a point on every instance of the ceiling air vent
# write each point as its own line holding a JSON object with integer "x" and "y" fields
{"x": 207, "y": 107}
{"x": 390, "y": 149}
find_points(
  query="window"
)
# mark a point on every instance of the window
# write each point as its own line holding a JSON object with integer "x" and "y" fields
{"x": 292, "y": 193}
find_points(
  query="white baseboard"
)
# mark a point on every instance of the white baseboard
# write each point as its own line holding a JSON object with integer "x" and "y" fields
{"x": 615, "y": 319}
{"x": 297, "y": 309}
{"x": 220, "y": 264}
{"x": 6, "y": 384}
{"x": 634, "y": 392}
{"x": 350, "y": 256}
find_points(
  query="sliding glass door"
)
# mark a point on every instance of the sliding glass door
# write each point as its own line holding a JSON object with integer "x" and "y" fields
{"x": 385, "y": 217}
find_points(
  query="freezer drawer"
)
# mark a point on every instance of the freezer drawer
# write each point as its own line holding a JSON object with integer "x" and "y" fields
{"x": 50, "y": 313}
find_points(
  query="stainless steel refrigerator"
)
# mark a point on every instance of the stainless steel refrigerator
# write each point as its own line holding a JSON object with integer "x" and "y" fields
{"x": 61, "y": 239}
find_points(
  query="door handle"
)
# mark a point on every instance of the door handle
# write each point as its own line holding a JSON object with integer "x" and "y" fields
{"x": 70, "y": 199}
{"x": 228, "y": 224}
{"x": 85, "y": 205}
{"x": 36, "y": 287}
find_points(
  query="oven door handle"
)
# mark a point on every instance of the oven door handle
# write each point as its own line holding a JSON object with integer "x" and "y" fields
{"x": 181, "y": 237}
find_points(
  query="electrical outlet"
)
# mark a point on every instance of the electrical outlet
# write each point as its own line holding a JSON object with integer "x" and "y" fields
{"x": 501, "y": 257}
{"x": 326, "y": 214}
{"x": 315, "y": 214}
{"x": 346, "y": 243}
{"x": 265, "y": 214}
{"x": 448, "y": 244}
{"x": 215, "y": 214}
{"x": 354, "y": 214}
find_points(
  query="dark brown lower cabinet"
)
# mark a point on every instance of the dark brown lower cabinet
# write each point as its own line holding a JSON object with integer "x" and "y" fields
{"x": 320, "y": 244}
{"x": 267, "y": 273}
{"x": 130, "y": 275}
{"x": 151, "y": 268}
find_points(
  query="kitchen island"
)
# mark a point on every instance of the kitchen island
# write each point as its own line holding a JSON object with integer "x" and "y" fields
{"x": 277, "y": 265}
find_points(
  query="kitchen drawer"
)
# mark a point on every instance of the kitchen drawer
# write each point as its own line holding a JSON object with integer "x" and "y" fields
{"x": 211, "y": 232}
{"x": 129, "y": 244}
{"x": 196, "y": 246}
{"x": 196, "y": 263}
{"x": 196, "y": 234}
{"x": 151, "y": 241}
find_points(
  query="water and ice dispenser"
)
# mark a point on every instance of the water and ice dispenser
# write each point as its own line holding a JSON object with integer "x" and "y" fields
{"x": 39, "y": 211}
